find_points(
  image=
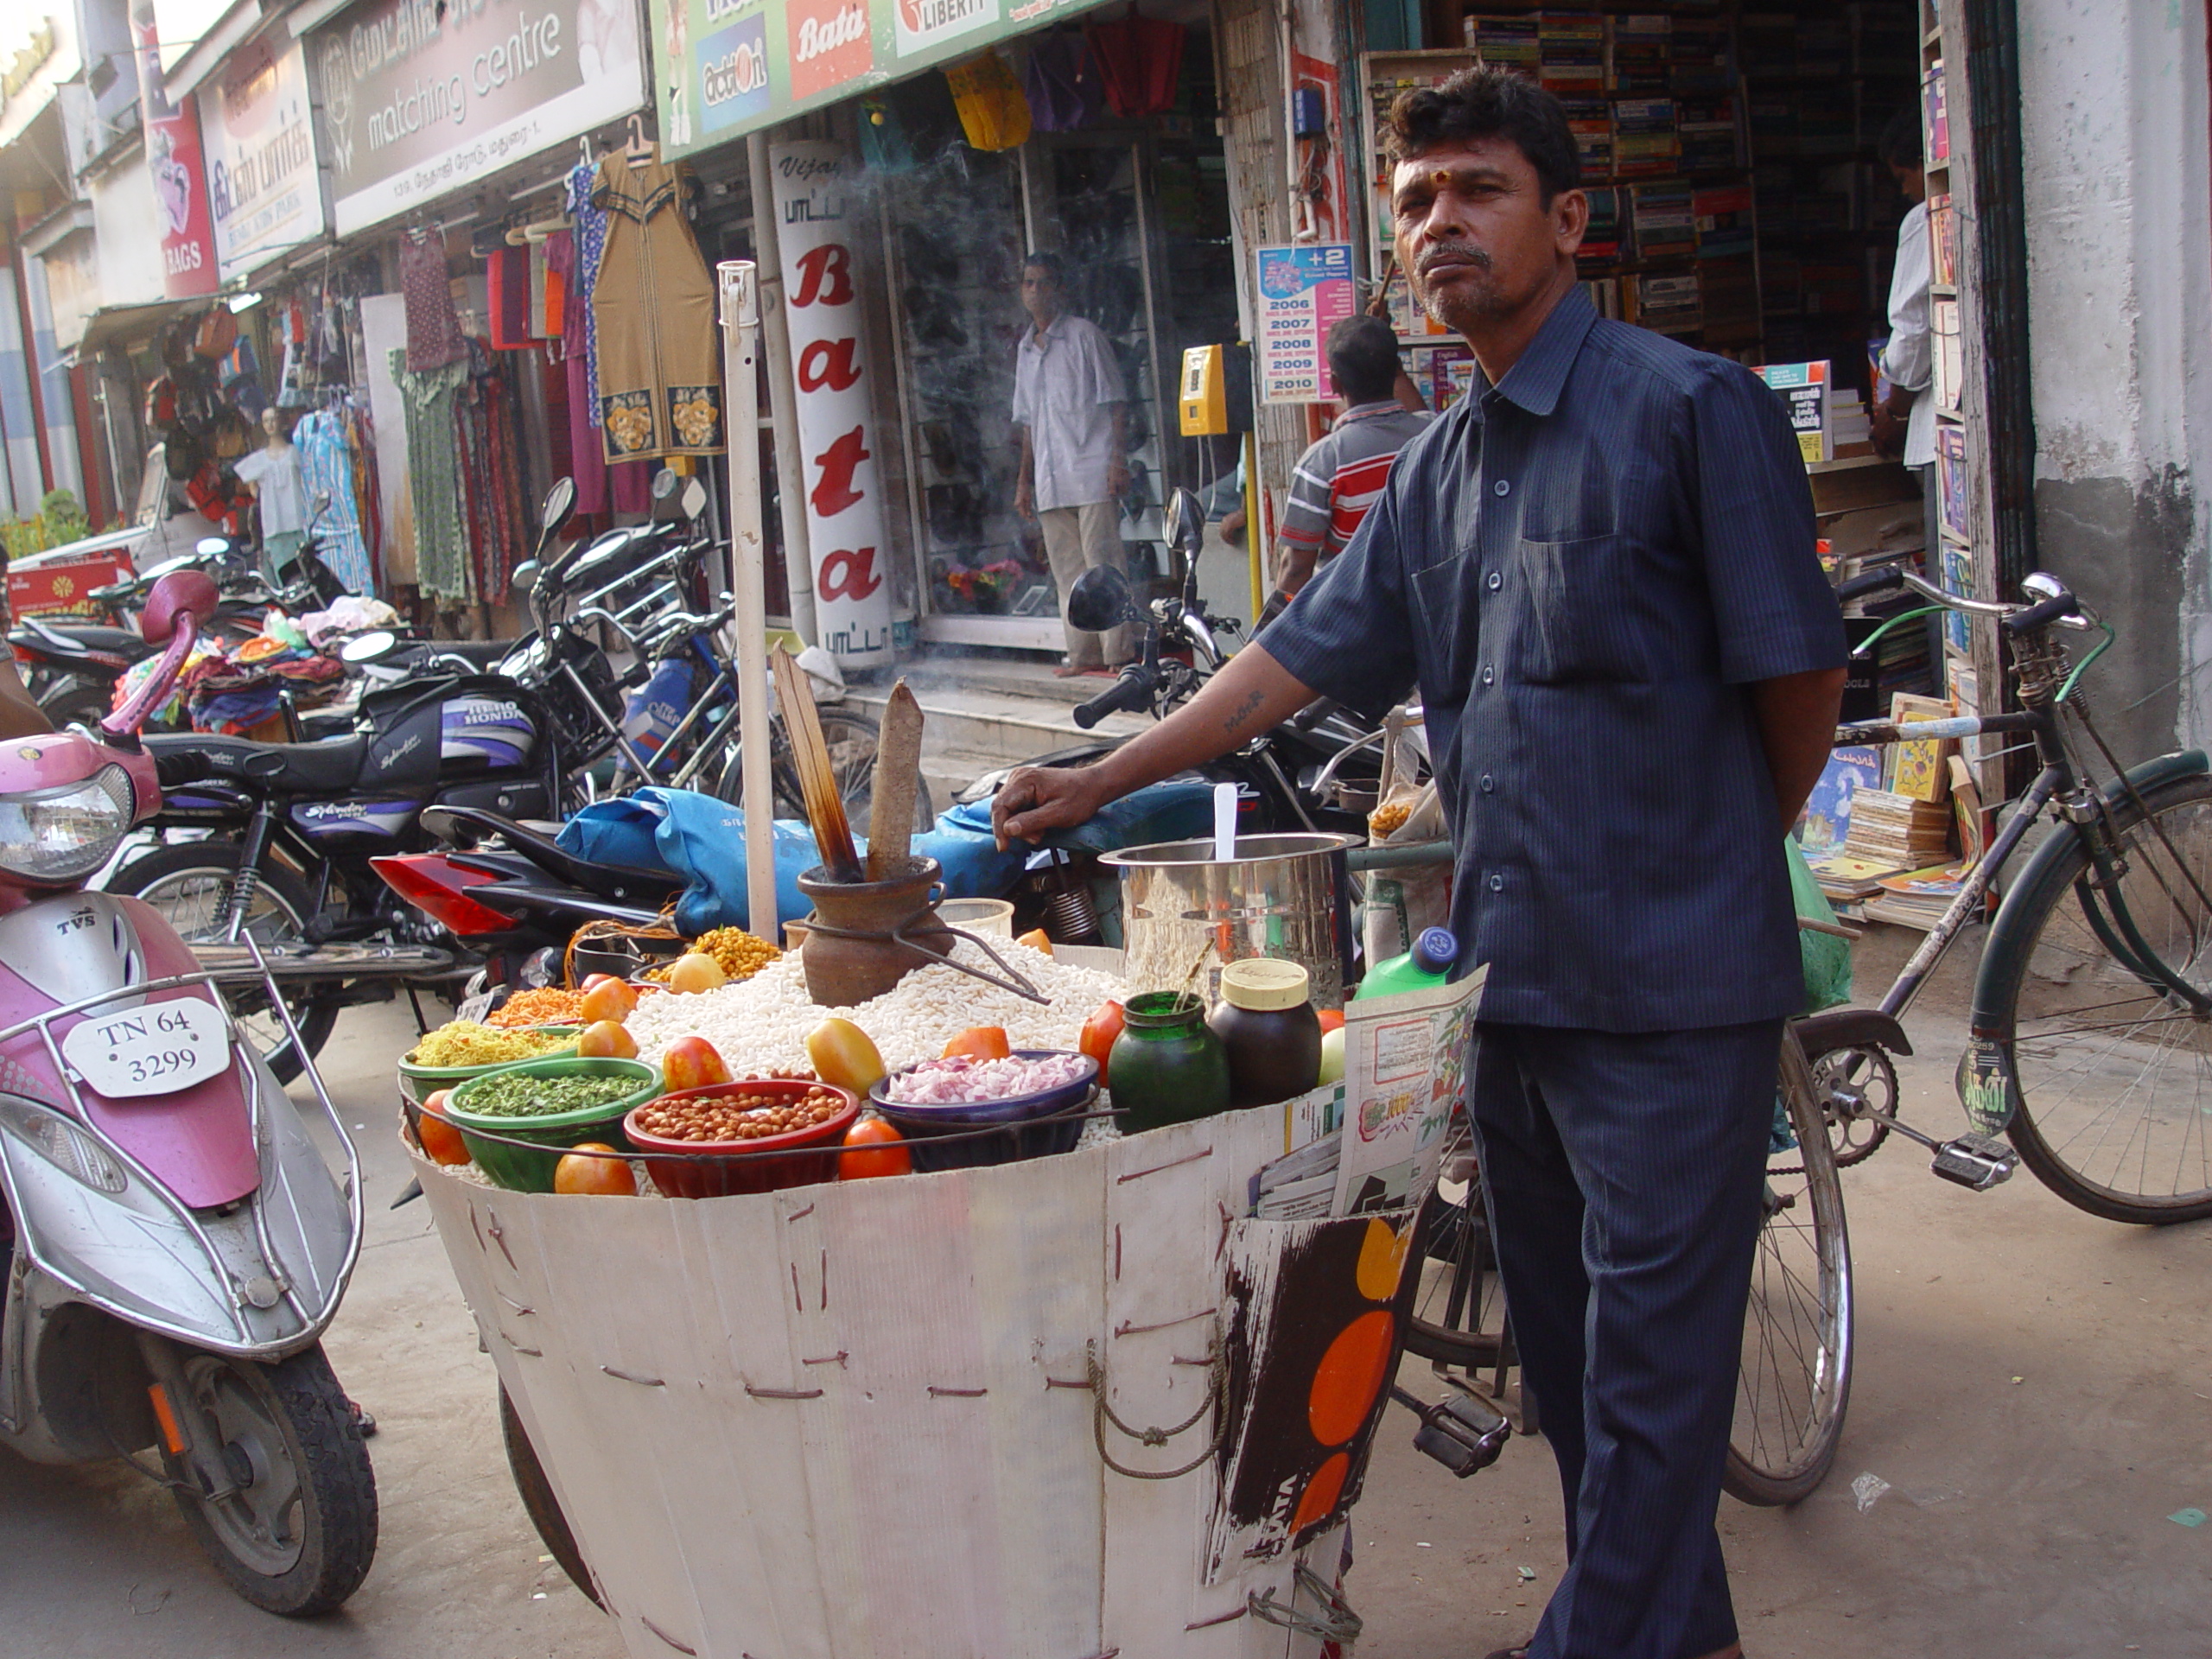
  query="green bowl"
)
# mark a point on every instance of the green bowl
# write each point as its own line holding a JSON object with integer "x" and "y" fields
{"x": 419, "y": 1083}
{"x": 525, "y": 1170}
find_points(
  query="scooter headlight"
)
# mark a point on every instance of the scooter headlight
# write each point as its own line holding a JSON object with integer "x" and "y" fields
{"x": 61, "y": 835}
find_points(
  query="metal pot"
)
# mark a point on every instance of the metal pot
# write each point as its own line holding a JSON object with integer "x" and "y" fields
{"x": 1185, "y": 913}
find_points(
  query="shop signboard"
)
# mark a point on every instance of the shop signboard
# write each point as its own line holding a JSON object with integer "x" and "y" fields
{"x": 728, "y": 67}
{"x": 1304, "y": 290}
{"x": 265, "y": 192}
{"x": 179, "y": 171}
{"x": 845, "y": 522}
{"x": 423, "y": 98}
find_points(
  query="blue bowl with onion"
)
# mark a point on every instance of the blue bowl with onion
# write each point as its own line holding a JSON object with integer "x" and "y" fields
{"x": 1037, "y": 1121}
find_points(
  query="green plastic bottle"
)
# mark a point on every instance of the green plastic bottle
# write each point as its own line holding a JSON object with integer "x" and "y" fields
{"x": 1428, "y": 964}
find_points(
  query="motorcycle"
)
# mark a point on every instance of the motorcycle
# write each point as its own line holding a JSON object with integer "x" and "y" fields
{"x": 178, "y": 1242}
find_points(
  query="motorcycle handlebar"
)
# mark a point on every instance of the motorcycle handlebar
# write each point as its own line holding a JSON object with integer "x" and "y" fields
{"x": 1132, "y": 691}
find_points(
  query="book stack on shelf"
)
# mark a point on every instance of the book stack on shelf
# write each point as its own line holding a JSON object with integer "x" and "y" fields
{"x": 1721, "y": 216}
{"x": 1662, "y": 222}
{"x": 1667, "y": 303}
{"x": 1571, "y": 52}
{"x": 1707, "y": 124}
{"x": 1510, "y": 42}
{"x": 1590, "y": 121}
{"x": 1604, "y": 238}
{"x": 1698, "y": 61}
{"x": 1645, "y": 144}
{"x": 1639, "y": 57}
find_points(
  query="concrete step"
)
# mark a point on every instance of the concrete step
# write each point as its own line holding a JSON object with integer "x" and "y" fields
{"x": 1000, "y": 726}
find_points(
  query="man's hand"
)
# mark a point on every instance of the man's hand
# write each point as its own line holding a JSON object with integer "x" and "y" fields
{"x": 1117, "y": 480}
{"x": 1886, "y": 430}
{"x": 1035, "y": 799}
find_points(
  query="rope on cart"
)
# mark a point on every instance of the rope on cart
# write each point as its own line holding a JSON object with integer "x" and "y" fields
{"x": 1101, "y": 1414}
{"x": 1336, "y": 1622}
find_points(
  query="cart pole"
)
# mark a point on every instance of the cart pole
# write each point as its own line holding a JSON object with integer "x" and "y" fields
{"x": 738, "y": 282}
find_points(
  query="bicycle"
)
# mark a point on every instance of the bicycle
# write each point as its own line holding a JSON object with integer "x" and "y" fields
{"x": 1793, "y": 1380}
{"x": 2089, "y": 1045}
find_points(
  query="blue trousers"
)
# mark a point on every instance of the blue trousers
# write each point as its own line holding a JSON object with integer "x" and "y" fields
{"x": 1624, "y": 1174}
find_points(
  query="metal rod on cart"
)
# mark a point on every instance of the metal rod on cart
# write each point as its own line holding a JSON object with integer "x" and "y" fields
{"x": 739, "y": 285}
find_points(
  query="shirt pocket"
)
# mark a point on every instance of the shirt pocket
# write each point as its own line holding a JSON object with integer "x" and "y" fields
{"x": 1447, "y": 629}
{"x": 1585, "y": 621}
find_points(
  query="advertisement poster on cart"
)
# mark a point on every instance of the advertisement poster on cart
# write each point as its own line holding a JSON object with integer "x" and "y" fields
{"x": 264, "y": 191}
{"x": 422, "y": 97}
{"x": 1405, "y": 1065}
{"x": 817, "y": 217}
{"x": 1304, "y": 290}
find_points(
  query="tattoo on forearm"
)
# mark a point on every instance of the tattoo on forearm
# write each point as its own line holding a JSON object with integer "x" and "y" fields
{"x": 1241, "y": 712}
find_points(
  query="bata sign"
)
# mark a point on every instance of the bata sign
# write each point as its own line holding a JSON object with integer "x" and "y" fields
{"x": 844, "y": 495}
{"x": 421, "y": 98}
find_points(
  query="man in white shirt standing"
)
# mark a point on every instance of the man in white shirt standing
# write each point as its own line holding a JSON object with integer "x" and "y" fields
{"x": 1907, "y": 416}
{"x": 1073, "y": 409}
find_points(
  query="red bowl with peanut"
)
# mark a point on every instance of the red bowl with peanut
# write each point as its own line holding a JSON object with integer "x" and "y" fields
{"x": 712, "y": 1126}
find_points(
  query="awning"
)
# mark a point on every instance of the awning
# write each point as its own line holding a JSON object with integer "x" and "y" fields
{"x": 113, "y": 322}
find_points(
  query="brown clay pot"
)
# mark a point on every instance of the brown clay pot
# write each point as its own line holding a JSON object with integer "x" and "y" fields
{"x": 843, "y": 970}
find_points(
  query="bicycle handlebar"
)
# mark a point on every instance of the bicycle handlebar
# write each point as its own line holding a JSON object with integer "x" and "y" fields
{"x": 2057, "y": 608}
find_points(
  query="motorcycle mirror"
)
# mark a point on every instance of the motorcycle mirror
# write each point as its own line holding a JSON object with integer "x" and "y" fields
{"x": 1101, "y": 600}
{"x": 367, "y": 647}
{"x": 695, "y": 498}
{"x": 182, "y": 590}
{"x": 560, "y": 504}
{"x": 1186, "y": 522}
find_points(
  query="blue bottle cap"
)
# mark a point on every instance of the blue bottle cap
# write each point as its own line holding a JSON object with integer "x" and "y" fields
{"x": 1436, "y": 949}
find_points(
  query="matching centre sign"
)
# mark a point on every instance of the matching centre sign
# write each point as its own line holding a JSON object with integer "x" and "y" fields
{"x": 421, "y": 98}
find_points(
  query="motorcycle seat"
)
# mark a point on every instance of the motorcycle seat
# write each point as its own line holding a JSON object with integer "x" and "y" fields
{"x": 318, "y": 768}
{"x": 72, "y": 638}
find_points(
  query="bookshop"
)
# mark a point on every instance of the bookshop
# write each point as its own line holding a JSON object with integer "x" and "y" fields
{"x": 1779, "y": 183}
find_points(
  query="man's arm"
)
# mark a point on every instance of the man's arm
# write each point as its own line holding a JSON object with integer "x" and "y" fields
{"x": 1118, "y": 470}
{"x": 1796, "y": 716}
{"x": 1252, "y": 694}
{"x": 1025, "y": 495}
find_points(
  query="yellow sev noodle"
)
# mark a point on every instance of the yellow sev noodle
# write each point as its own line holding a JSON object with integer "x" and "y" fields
{"x": 463, "y": 1042}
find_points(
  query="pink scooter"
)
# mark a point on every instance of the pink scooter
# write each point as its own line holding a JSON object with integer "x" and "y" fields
{"x": 178, "y": 1239}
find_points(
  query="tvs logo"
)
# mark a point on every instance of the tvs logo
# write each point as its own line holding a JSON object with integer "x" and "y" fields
{"x": 831, "y": 43}
{"x": 922, "y": 24}
{"x": 733, "y": 74}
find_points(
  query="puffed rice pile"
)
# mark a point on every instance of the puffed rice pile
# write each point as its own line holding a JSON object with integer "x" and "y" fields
{"x": 761, "y": 1023}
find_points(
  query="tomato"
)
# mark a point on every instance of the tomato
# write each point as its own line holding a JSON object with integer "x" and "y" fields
{"x": 1037, "y": 939}
{"x": 594, "y": 1166}
{"x": 980, "y": 1043}
{"x": 1098, "y": 1034}
{"x": 1332, "y": 1020}
{"x": 607, "y": 1039}
{"x": 609, "y": 998}
{"x": 893, "y": 1159}
{"x": 441, "y": 1142}
{"x": 842, "y": 1056}
{"x": 692, "y": 1063}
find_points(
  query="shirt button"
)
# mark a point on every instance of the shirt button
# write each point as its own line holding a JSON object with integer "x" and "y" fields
{"x": 1488, "y": 673}
{"x": 1488, "y": 786}
{"x": 1495, "y": 582}
{"x": 1497, "y": 884}
{"x": 1501, "y": 488}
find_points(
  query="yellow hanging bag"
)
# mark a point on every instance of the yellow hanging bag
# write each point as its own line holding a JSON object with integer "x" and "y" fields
{"x": 994, "y": 112}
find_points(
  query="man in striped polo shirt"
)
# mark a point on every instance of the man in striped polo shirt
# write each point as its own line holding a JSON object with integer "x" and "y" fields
{"x": 1337, "y": 478}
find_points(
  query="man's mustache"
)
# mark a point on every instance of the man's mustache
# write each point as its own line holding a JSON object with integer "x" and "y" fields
{"x": 1439, "y": 257}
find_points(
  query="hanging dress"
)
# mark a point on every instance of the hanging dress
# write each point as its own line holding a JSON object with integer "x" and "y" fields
{"x": 434, "y": 476}
{"x": 328, "y": 464}
{"x": 659, "y": 362}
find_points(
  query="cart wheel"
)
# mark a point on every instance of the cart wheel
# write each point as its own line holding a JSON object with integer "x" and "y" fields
{"x": 539, "y": 1503}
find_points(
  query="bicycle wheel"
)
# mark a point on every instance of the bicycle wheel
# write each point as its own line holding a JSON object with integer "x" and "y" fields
{"x": 1793, "y": 1378}
{"x": 2115, "y": 1068}
{"x": 1459, "y": 1313}
{"x": 851, "y": 739}
{"x": 190, "y": 882}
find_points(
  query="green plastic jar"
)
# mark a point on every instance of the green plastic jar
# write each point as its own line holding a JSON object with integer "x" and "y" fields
{"x": 1166, "y": 1066}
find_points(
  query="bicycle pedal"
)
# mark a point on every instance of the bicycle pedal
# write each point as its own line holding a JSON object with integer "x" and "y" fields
{"x": 1975, "y": 1161}
{"x": 1464, "y": 1434}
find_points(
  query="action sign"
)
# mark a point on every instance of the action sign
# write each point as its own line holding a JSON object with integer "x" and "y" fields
{"x": 1303, "y": 290}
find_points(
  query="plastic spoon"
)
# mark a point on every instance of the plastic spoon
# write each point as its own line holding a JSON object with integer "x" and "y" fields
{"x": 1224, "y": 823}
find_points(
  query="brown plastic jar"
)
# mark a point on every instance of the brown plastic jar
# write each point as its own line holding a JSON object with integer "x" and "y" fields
{"x": 1269, "y": 1029}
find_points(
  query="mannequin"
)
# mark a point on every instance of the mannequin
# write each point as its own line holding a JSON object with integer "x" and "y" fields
{"x": 275, "y": 473}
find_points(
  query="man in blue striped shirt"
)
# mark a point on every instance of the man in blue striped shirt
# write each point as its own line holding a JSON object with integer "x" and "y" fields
{"x": 1599, "y": 569}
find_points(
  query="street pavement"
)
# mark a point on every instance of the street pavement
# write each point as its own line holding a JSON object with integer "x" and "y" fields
{"x": 2033, "y": 1400}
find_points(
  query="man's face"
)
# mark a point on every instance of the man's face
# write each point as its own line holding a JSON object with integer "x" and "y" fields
{"x": 1040, "y": 294}
{"x": 1474, "y": 234}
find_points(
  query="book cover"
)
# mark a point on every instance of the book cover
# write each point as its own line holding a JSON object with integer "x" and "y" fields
{"x": 1918, "y": 769}
{"x": 1953, "y": 479}
{"x": 1935, "y": 137}
{"x": 1942, "y": 241}
{"x": 1827, "y": 821}
{"x": 1949, "y": 360}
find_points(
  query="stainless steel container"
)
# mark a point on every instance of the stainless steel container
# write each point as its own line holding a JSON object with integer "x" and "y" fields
{"x": 1185, "y": 913}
